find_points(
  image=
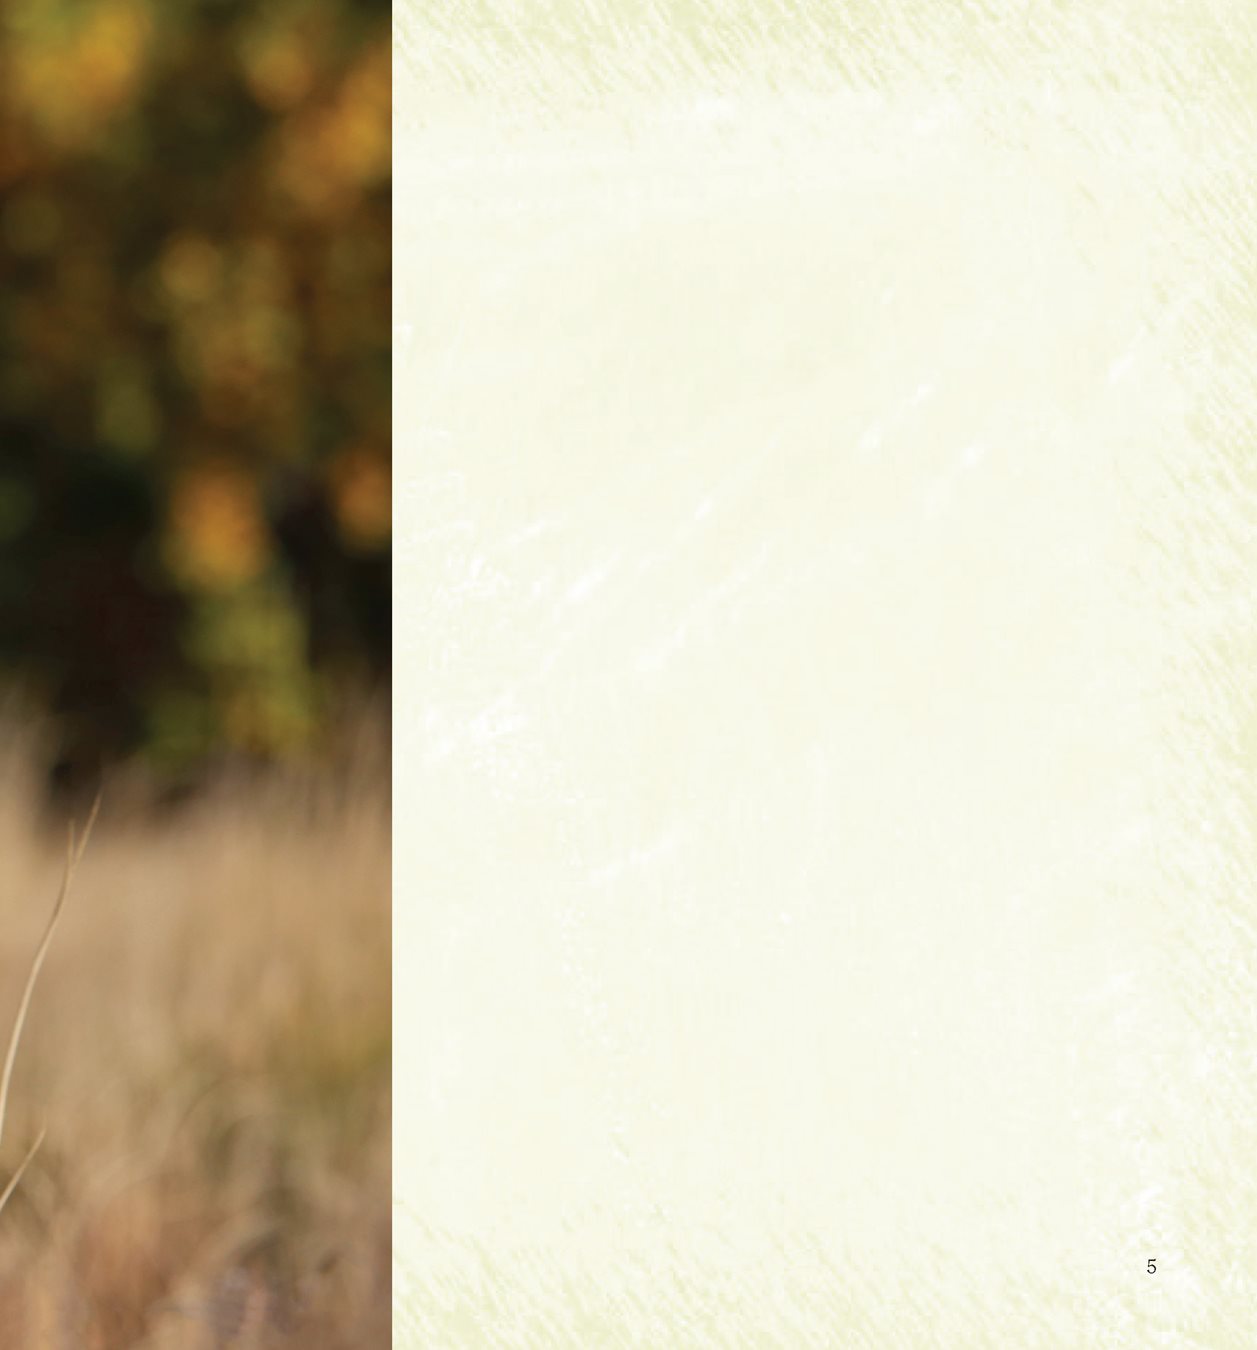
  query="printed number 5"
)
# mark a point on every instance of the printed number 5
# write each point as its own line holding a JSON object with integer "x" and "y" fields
{"x": 1152, "y": 1266}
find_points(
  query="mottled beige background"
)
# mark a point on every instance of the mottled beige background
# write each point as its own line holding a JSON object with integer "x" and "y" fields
{"x": 825, "y": 721}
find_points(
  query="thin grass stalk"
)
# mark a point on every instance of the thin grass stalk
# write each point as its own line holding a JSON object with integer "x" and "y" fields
{"x": 74, "y": 855}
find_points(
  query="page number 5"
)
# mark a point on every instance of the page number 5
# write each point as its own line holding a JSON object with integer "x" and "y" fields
{"x": 1152, "y": 1265}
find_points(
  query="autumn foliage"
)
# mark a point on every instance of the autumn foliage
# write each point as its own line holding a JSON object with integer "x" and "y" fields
{"x": 194, "y": 369}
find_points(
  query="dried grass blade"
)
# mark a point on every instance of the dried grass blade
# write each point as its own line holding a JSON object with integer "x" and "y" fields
{"x": 74, "y": 856}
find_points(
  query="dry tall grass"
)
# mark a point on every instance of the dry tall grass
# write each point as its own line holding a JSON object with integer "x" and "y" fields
{"x": 209, "y": 1049}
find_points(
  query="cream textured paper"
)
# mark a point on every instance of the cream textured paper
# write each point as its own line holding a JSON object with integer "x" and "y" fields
{"x": 825, "y": 634}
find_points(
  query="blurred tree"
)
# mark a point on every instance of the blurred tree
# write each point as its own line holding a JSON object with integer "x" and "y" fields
{"x": 195, "y": 497}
